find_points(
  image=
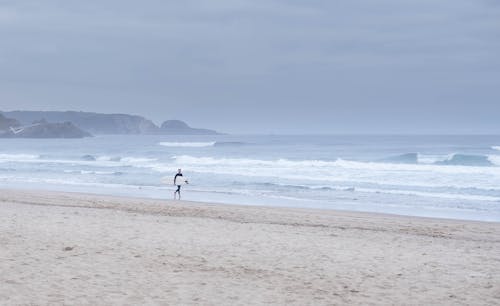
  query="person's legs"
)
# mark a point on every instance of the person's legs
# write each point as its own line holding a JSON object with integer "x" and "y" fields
{"x": 177, "y": 191}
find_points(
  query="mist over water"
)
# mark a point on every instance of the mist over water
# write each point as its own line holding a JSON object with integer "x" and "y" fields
{"x": 440, "y": 176}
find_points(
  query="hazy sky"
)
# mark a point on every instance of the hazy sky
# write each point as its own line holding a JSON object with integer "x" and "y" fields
{"x": 425, "y": 66}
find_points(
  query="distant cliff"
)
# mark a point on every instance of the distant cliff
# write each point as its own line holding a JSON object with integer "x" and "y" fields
{"x": 11, "y": 128}
{"x": 177, "y": 127}
{"x": 92, "y": 122}
{"x": 112, "y": 124}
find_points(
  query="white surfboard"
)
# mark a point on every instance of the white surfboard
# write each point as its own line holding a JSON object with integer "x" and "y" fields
{"x": 168, "y": 180}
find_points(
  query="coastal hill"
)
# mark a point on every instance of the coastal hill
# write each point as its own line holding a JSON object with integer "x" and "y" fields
{"x": 94, "y": 123}
{"x": 178, "y": 127}
{"x": 111, "y": 124}
{"x": 11, "y": 128}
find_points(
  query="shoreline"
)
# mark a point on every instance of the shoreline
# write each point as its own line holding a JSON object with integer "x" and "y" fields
{"x": 64, "y": 247}
{"x": 156, "y": 198}
{"x": 154, "y": 205}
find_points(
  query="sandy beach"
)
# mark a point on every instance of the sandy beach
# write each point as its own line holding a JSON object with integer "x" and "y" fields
{"x": 79, "y": 249}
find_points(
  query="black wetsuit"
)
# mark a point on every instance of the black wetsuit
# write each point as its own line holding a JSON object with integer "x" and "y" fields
{"x": 175, "y": 180}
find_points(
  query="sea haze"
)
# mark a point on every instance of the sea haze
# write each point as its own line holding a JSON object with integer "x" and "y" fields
{"x": 438, "y": 176}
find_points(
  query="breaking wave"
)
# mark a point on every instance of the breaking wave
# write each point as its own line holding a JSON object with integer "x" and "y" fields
{"x": 17, "y": 157}
{"x": 89, "y": 160}
{"x": 343, "y": 171}
{"x": 467, "y": 160}
{"x": 187, "y": 144}
{"x": 457, "y": 176}
{"x": 494, "y": 159}
{"x": 202, "y": 144}
{"x": 455, "y": 159}
{"x": 94, "y": 172}
{"x": 298, "y": 165}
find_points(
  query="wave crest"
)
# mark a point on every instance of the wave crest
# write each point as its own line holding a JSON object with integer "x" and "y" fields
{"x": 466, "y": 160}
{"x": 455, "y": 159}
{"x": 187, "y": 144}
{"x": 494, "y": 159}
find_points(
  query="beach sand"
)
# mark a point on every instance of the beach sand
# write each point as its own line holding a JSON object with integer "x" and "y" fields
{"x": 78, "y": 249}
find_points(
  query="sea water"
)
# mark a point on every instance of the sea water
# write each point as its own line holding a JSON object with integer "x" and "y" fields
{"x": 435, "y": 176}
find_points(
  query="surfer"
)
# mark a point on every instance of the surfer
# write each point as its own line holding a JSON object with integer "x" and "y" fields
{"x": 177, "y": 181}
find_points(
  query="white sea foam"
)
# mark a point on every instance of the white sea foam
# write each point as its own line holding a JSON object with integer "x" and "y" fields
{"x": 92, "y": 172}
{"x": 403, "y": 192}
{"x": 456, "y": 159}
{"x": 109, "y": 158}
{"x": 134, "y": 160}
{"x": 494, "y": 159}
{"x": 462, "y": 177}
{"x": 304, "y": 165}
{"x": 424, "y": 179}
{"x": 187, "y": 144}
{"x": 17, "y": 157}
{"x": 113, "y": 161}
{"x": 471, "y": 197}
{"x": 432, "y": 194}
{"x": 355, "y": 172}
{"x": 428, "y": 175}
{"x": 73, "y": 182}
{"x": 251, "y": 162}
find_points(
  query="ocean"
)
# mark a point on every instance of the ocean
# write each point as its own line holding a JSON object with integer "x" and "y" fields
{"x": 433, "y": 176}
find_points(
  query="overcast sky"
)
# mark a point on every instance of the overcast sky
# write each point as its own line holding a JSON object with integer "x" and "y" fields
{"x": 260, "y": 66}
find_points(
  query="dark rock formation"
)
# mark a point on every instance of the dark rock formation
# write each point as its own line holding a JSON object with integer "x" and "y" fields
{"x": 174, "y": 125}
{"x": 177, "y": 127}
{"x": 6, "y": 123}
{"x": 88, "y": 158}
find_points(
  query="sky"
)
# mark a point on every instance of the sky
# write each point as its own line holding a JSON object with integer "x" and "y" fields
{"x": 260, "y": 66}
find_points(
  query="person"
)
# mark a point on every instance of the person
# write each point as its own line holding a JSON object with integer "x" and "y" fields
{"x": 177, "y": 181}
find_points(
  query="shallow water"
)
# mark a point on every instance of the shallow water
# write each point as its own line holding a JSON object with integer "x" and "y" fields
{"x": 439, "y": 176}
